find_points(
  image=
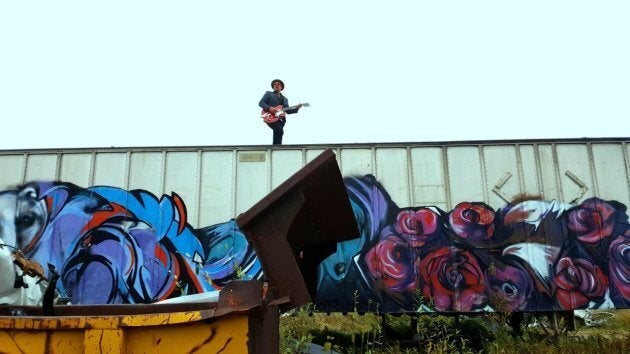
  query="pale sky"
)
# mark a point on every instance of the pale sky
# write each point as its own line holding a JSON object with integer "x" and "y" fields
{"x": 166, "y": 73}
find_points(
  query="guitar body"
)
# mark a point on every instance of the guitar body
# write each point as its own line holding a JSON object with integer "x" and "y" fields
{"x": 269, "y": 117}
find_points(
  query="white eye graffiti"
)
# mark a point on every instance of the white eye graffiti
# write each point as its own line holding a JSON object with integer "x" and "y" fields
{"x": 30, "y": 216}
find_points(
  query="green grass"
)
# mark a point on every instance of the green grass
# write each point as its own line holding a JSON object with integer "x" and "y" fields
{"x": 352, "y": 332}
{"x": 430, "y": 333}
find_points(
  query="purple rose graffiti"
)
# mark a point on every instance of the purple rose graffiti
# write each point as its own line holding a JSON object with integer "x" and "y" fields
{"x": 453, "y": 279}
{"x": 592, "y": 221}
{"x": 619, "y": 266}
{"x": 577, "y": 281}
{"x": 472, "y": 221}
{"x": 511, "y": 285}
{"x": 531, "y": 255}
{"x": 416, "y": 227}
{"x": 391, "y": 262}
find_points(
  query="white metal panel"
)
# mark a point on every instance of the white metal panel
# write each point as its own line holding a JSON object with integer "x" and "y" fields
{"x": 216, "y": 184}
{"x": 76, "y": 168}
{"x": 529, "y": 171}
{"x": 217, "y": 201}
{"x": 111, "y": 169}
{"x": 147, "y": 172}
{"x": 548, "y": 172}
{"x": 252, "y": 179}
{"x": 11, "y": 171}
{"x": 41, "y": 167}
{"x": 313, "y": 153}
{"x": 502, "y": 174}
{"x": 575, "y": 172}
{"x": 356, "y": 162}
{"x": 182, "y": 177}
{"x": 393, "y": 171}
{"x": 610, "y": 172}
{"x": 284, "y": 163}
{"x": 464, "y": 173}
{"x": 428, "y": 182}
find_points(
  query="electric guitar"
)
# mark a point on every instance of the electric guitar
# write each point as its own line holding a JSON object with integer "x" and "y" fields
{"x": 269, "y": 117}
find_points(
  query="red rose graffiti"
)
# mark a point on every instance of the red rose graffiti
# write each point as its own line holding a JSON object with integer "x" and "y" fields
{"x": 416, "y": 227}
{"x": 578, "y": 281}
{"x": 392, "y": 263}
{"x": 453, "y": 279}
{"x": 619, "y": 265}
{"x": 592, "y": 221}
{"x": 472, "y": 221}
{"x": 531, "y": 255}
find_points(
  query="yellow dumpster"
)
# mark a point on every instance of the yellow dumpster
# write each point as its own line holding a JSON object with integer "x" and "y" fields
{"x": 242, "y": 321}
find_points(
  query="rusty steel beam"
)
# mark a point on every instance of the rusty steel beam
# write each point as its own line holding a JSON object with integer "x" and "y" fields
{"x": 296, "y": 226}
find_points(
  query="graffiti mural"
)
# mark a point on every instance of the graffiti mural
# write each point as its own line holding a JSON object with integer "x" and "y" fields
{"x": 110, "y": 245}
{"x": 531, "y": 255}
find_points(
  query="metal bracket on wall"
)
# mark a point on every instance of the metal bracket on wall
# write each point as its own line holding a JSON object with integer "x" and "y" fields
{"x": 499, "y": 185}
{"x": 582, "y": 185}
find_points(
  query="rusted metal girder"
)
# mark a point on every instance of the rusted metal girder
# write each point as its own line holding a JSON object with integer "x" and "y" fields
{"x": 304, "y": 217}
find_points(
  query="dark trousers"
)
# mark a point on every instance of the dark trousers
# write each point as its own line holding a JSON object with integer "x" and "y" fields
{"x": 278, "y": 131}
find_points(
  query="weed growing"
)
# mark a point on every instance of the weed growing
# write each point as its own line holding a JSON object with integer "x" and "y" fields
{"x": 431, "y": 333}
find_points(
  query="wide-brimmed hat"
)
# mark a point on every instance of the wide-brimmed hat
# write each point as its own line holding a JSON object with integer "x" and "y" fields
{"x": 277, "y": 80}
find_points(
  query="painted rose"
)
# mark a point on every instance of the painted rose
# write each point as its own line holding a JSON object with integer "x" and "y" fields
{"x": 511, "y": 285}
{"x": 416, "y": 227}
{"x": 392, "y": 263}
{"x": 453, "y": 279}
{"x": 578, "y": 281}
{"x": 592, "y": 221}
{"x": 619, "y": 265}
{"x": 472, "y": 221}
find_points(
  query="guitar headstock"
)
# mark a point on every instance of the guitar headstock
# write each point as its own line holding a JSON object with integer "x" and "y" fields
{"x": 305, "y": 104}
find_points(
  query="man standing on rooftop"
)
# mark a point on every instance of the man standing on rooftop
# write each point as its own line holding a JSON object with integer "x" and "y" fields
{"x": 275, "y": 109}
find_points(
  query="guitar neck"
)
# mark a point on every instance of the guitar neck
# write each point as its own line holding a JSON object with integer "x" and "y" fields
{"x": 294, "y": 107}
{"x": 290, "y": 108}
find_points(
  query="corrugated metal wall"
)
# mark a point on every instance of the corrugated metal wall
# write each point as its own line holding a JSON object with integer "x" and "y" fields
{"x": 218, "y": 183}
